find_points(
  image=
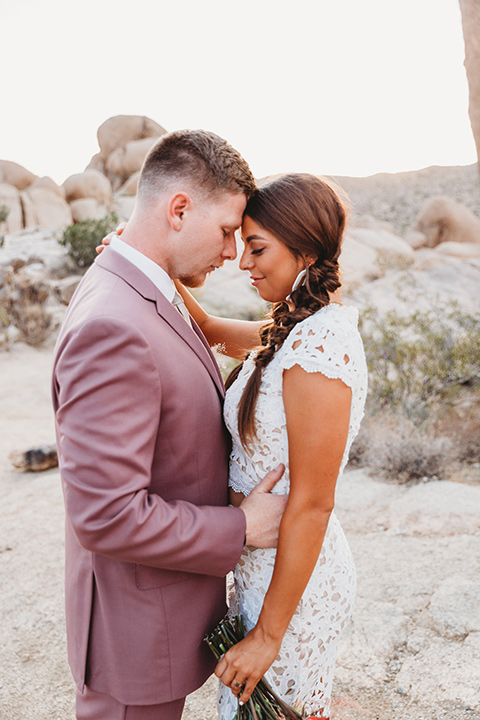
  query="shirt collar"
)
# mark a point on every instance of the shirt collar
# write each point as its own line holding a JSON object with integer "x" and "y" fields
{"x": 154, "y": 272}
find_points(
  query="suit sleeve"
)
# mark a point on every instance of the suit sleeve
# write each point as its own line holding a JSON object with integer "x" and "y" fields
{"x": 107, "y": 415}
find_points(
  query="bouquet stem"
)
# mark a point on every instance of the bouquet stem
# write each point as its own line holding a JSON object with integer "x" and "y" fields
{"x": 264, "y": 703}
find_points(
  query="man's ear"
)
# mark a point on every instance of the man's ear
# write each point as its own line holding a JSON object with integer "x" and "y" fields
{"x": 176, "y": 209}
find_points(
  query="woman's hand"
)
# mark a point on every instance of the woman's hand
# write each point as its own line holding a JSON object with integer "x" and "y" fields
{"x": 108, "y": 238}
{"x": 245, "y": 663}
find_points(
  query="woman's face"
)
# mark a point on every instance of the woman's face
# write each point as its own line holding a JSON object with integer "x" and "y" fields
{"x": 272, "y": 267}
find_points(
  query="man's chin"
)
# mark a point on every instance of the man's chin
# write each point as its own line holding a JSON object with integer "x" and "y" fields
{"x": 193, "y": 281}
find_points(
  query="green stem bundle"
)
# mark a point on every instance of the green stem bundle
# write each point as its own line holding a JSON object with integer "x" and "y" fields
{"x": 264, "y": 703}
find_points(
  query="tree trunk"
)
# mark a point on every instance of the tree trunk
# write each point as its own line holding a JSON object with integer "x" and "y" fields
{"x": 470, "y": 10}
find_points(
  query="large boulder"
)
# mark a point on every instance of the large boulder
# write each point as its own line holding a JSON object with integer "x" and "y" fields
{"x": 123, "y": 162}
{"x": 442, "y": 219}
{"x": 358, "y": 262}
{"x": 130, "y": 187}
{"x": 368, "y": 253}
{"x": 96, "y": 163}
{"x": 86, "y": 209}
{"x": 460, "y": 250}
{"x": 44, "y": 208}
{"x": 470, "y": 11}
{"x": 390, "y": 248}
{"x": 49, "y": 184}
{"x": 14, "y": 174}
{"x": 65, "y": 288}
{"x": 434, "y": 280}
{"x": 10, "y": 197}
{"x": 117, "y": 131}
{"x": 89, "y": 184}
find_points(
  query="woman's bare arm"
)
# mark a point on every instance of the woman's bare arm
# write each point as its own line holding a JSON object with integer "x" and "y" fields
{"x": 238, "y": 337}
{"x": 318, "y": 412}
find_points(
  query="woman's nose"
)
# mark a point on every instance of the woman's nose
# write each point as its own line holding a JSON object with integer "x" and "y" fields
{"x": 245, "y": 261}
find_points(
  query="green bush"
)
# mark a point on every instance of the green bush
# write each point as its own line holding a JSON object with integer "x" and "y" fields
{"x": 418, "y": 361}
{"x": 422, "y": 415}
{"x": 82, "y": 238}
{"x": 4, "y": 211}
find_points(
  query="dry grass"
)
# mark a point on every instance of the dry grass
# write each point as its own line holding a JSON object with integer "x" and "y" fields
{"x": 34, "y": 322}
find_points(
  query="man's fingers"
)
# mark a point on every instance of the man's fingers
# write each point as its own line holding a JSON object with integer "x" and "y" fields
{"x": 270, "y": 479}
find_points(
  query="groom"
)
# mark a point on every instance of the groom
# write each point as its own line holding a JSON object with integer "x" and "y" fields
{"x": 142, "y": 447}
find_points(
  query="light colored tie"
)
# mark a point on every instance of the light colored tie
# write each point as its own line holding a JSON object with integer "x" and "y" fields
{"x": 178, "y": 303}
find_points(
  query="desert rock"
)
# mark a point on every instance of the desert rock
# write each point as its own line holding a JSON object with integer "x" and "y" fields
{"x": 442, "y": 219}
{"x": 49, "y": 184}
{"x": 48, "y": 209}
{"x": 10, "y": 197}
{"x": 117, "y": 131}
{"x": 358, "y": 262}
{"x": 14, "y": 174}
{"x": 65, "y": 289}
{"x": 87, "y": 208}
{"x": 96, "y": 163}
{"x": 130, "y": 187}
{"x": 123, "y": 162}
{"x": 459, "y": 249}
{"x": 89, "y": 184}
{"x": 470, "y": 12}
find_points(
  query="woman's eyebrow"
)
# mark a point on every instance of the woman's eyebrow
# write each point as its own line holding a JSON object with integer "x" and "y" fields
{"x": 253, "y": 237}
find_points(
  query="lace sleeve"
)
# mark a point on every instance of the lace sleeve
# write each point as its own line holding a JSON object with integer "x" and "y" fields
{"x": 327, "y": 343}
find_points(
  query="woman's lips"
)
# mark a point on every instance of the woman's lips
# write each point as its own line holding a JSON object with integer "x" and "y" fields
{"x": 255, "y": 281}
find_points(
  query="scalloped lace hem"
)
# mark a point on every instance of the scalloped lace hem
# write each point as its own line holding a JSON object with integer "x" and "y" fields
{"x": 312, "y": 367}
{"x": 239, "y": 482}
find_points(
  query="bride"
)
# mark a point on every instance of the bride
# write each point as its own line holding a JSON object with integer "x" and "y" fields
{"x": 297, "y": 399}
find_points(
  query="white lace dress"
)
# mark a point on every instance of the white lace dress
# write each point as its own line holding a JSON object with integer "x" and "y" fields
{"x": 327, "y": 342}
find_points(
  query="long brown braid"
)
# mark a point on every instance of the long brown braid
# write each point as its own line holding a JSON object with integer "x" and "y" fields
{"x": 308, "y": 217}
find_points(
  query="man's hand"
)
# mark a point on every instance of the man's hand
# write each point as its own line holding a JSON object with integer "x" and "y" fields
{"x": 263, "y": 511}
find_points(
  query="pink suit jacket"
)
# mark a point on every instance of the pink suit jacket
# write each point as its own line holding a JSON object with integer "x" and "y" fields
{"x": 143, "y": 456}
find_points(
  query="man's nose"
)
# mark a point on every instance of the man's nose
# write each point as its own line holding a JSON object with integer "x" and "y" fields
{"x": 230, "y": 247}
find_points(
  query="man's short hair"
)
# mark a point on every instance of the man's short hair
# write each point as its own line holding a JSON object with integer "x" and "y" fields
{"x": 201, "y": 158}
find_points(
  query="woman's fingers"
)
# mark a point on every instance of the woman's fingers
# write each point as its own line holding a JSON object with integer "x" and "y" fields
{"x": 225, "y": 672}
{"x": 247, "y": 690}
{"x": 237, "y": 685}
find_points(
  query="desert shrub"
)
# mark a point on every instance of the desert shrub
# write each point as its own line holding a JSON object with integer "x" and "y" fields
{"x": 417, "y": 361}
{"x": 422, "y": 370}
{"x": 388, "y": 260}
{"x": 34, "y": 322}
{"x": 82, "y": 238}
{"x": 393, "y": 446}
{"x": 4, "y": 211}
{"x": 462, "y": 426}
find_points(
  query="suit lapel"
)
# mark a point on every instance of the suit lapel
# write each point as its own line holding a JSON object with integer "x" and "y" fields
{"x": 193, "y": 337}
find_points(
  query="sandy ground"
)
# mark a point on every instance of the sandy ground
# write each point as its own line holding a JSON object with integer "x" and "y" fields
{"x": 35, "y": 681}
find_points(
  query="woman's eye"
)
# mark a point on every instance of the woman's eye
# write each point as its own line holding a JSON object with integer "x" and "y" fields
{"x": 225, "y": 232}
{"x": 258, "y": 251}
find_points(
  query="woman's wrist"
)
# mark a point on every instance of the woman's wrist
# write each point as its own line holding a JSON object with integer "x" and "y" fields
{"x": 272, "y": 631}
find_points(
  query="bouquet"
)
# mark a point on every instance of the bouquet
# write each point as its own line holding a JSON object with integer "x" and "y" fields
{"x": 264, "y": 703}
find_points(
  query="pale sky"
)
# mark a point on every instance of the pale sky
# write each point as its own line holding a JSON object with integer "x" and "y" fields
{"x": 338, "y": 87}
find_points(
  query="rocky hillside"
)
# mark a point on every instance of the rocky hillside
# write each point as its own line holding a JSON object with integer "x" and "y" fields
{"x": 398, "y": 198}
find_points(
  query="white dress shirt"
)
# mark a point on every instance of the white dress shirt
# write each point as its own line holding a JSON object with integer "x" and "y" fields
{"x": 154, "y": 272}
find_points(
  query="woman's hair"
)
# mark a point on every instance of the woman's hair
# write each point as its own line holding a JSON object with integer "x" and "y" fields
{"x": 308, "y": 217}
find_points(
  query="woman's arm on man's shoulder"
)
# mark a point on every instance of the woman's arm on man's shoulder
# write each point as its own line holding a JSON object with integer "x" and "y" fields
{"x": 238, "y": 337}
